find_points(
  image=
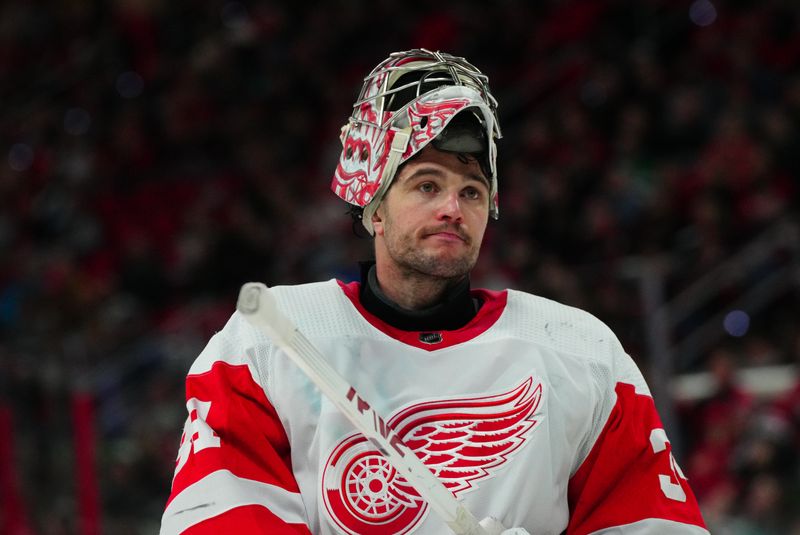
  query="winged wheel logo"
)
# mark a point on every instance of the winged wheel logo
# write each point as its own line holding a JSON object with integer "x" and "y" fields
{"x": 462, "y": 441}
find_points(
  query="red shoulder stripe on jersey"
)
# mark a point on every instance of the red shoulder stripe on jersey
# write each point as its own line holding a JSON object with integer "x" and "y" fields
{"x": 630, "y": 474}
{"x": 232, "y": 426}
{"x": 494, "y": 303}
{"x": 252, "y": 519}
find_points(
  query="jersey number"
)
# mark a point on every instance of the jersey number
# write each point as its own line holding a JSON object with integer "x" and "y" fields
{"x": 670, "y": 484}
{"x": 197, "y": 434}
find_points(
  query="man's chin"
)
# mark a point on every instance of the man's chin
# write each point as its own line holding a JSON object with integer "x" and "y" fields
{"x": 446, "y": 266}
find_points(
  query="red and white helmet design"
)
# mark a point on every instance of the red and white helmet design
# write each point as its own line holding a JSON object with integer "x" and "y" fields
{"x": 381, "y": 134}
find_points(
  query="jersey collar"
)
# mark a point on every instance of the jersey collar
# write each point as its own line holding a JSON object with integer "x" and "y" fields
{"x": 456, "y": 308}
{"x": 493, "y": 304}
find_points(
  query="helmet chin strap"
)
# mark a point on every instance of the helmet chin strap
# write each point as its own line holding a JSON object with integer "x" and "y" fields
{"x": 399, "y": 144}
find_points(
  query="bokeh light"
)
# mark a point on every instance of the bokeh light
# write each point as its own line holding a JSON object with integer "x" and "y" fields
{"x": 129, "y": 84}
{"x": 20, "y": 157}
{"x": 703, "y": 13}
{"x": 736, "y": 323}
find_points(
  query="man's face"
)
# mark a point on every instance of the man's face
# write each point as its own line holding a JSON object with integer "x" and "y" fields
{"x": 433, "y": 217}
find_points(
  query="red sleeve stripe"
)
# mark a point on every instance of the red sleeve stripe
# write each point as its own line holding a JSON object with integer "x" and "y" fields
{"x": 653, "y": 525}
{"x": 222, "y": 491}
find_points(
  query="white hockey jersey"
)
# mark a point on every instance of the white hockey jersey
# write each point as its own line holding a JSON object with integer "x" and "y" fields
{"x": 532, "y": 413}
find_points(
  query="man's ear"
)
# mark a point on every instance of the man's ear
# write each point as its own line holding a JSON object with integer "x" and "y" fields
{"x": 377, "y": 221}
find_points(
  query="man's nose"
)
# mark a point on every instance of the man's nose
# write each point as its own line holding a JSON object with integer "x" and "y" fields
{"x": 450, "y": 207}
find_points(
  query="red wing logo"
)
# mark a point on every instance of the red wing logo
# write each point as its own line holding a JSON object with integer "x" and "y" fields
{"x": 462, "y": 441}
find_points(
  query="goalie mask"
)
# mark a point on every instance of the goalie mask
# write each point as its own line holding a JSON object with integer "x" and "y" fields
{"x": 411, "y": 99}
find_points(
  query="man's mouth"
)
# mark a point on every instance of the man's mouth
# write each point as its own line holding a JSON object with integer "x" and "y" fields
{"x": 447, "y": 234}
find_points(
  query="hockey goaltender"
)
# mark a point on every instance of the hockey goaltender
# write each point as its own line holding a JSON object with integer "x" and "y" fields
{"x": 528, "y": 412}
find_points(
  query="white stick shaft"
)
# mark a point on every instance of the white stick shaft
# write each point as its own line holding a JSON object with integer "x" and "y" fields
{"x": 258, "y": 306}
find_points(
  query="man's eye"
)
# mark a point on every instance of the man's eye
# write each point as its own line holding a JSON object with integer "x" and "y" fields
{"x": 426, "y": 187}
{"x": 472, "y": 193}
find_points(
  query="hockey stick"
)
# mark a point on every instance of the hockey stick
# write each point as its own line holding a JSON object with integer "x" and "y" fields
{"x": 257, "y": 304}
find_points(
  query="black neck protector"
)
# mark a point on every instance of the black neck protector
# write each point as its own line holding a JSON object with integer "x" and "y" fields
{"x": 454, "y": 311}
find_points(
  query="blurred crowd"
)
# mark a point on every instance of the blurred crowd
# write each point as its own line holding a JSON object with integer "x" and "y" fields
{"x": 159, "y": 154}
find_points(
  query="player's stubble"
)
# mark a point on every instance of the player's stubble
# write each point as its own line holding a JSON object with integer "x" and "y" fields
{"x": 415, "y": 255}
